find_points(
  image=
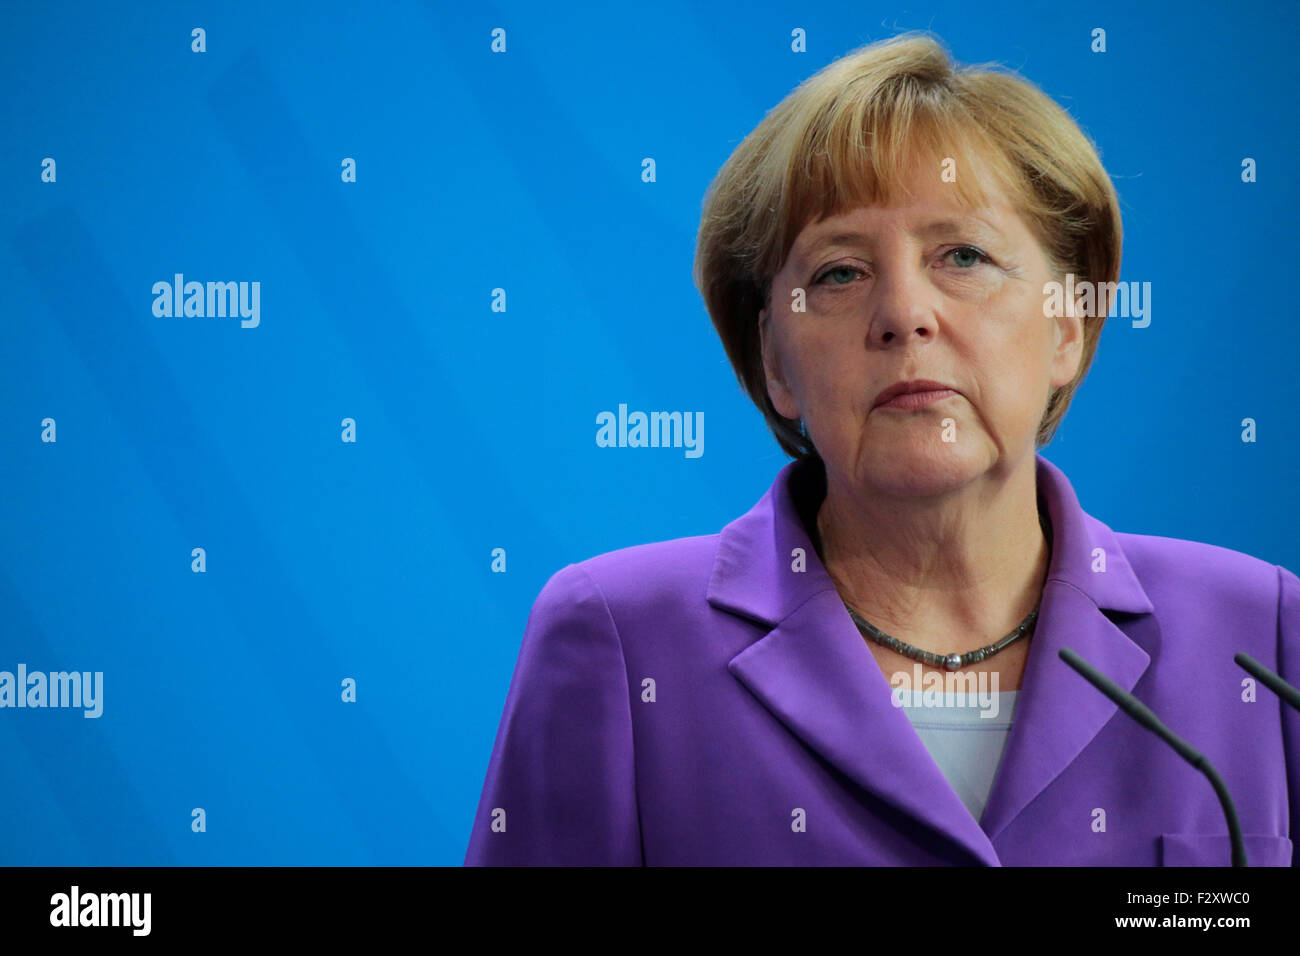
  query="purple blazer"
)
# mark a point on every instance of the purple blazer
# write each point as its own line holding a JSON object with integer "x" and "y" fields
{"x": 686, "y": 702}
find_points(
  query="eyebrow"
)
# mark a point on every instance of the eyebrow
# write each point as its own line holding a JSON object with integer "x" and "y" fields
{"x": 935, "y": 227}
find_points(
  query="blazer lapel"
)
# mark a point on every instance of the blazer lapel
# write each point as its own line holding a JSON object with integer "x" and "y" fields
{"x": 814, "y": 673}
{"x": 1059, "y": 713}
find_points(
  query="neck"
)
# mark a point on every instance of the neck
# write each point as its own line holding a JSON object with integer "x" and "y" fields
{"x": 949, "y": 573}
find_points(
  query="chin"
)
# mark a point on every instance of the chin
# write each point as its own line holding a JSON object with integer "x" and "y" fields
{"x": 923, "y": 468}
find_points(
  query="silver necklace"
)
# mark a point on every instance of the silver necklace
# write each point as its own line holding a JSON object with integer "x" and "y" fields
{"x": 951, "y": 661}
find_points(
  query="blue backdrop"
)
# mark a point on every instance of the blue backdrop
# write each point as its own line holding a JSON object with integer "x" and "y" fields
{"x": 130, "y": 158}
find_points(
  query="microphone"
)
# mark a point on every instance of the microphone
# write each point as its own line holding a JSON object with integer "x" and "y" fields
{"x": 1270, "y": 680}
{"x": 1143, "y": 715}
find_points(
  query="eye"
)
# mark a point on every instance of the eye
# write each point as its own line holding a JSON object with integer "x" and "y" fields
{"x": 970, "y": 256}
{"x": 838, "y": 269}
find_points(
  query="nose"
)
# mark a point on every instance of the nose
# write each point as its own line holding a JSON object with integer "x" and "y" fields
{"x": 901, "y": 306}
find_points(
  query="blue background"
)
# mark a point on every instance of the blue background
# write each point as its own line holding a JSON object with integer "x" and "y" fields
{"x": 476, "y": 429}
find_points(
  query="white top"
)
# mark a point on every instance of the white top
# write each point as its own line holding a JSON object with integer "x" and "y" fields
{"x": 965, "y": 735}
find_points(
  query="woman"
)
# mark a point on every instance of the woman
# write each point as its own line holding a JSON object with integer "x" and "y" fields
{"x": 876, "y": 257}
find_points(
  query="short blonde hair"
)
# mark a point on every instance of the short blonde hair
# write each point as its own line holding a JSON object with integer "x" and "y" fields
{"x": 843, "y": 138}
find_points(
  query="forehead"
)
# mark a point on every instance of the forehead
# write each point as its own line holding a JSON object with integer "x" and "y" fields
{"x": 956, "y": 175}
{"x": 919, "y": 221}
{"x": 931, "y": 210}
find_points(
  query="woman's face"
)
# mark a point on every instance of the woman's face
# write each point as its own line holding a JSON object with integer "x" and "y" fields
{"x": 918, "y": 290}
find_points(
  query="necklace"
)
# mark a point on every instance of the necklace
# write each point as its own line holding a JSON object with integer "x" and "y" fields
{"x": 951, "y": 661}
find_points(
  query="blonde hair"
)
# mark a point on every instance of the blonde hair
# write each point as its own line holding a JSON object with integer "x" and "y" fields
{"x": 844, "y": 138}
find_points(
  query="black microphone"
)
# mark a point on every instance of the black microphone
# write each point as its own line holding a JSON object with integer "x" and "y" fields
{"x": 1270, "y": 680}
{"x": 1143, "y": 715}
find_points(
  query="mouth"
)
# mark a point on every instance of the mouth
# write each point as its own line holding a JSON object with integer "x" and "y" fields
{"x": 917, "y": 399}
{"x": 913, "y": 395}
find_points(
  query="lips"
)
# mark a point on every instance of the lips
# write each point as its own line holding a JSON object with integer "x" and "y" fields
{"x": 915, "y": 386}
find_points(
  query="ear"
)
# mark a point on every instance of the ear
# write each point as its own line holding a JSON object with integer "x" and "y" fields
{"x": 778, "y": 390}
{"x": 1068, "y": 347}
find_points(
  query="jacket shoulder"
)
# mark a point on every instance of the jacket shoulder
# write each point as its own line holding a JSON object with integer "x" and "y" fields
{"x": 643, "y": 576}
{"x": 1201, "y": 568}
{"x": 1198, "y": 555}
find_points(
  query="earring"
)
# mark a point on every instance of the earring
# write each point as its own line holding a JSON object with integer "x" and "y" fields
{"x": 802, "y": 430}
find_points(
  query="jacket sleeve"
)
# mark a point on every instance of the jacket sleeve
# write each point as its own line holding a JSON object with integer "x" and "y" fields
{"x": 561, "y": 787}
{"x": 1288, "y": 655}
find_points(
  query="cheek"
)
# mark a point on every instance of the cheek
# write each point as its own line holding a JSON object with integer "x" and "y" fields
{"x": 814, "y": 359}
{"x": 837, "y": 380}
{"x": 1025, "y": 333}
{"x": 1015, "y": 358}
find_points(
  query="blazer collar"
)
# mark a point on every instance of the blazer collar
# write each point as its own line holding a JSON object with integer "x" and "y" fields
{"x": 813, "y": 671}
